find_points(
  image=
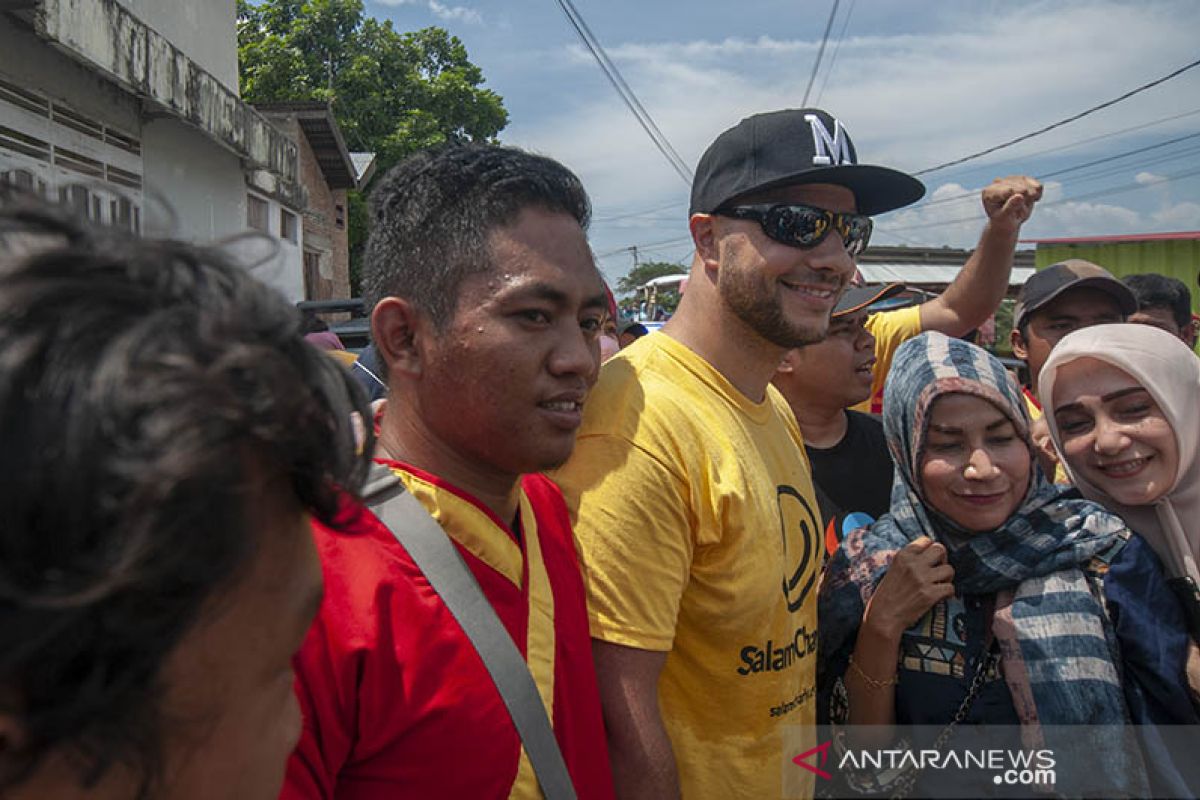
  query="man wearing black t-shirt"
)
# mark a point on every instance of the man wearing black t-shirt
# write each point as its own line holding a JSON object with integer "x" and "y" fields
{"x": 851, "y": 467}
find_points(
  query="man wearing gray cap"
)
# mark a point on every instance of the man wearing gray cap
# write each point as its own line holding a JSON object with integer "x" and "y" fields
{"x": 1061, "y": 298}
{"x": 696, "y": 517}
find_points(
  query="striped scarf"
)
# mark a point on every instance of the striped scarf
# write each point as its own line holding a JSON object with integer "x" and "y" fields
{"x": 1059, "y": 653}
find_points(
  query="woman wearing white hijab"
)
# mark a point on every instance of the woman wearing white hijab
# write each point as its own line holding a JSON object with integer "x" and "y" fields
{"x": 1121, "y": 403}
{"x": 1135, "y": 452}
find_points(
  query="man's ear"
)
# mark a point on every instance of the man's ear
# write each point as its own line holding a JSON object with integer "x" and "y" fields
{"x": 788, "y": 365}
{"x": 1017, "y": 341}
{"x": 398, "y": 329}
{"x": 704, "y": 235}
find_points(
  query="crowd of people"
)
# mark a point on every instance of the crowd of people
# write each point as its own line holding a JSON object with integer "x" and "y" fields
{"x": 515, "y": 550}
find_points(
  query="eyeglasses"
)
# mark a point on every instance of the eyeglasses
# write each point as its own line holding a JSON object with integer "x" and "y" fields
{"x": 804, "y": 226}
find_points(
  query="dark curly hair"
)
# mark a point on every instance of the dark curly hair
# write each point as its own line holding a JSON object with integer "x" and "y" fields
{"x": 1162, "y": 291}
{"x": 432, "y": 215}
{"x": 143, "y": 387}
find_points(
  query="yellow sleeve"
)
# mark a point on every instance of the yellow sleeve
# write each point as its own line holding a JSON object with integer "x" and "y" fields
{"x": 633, "y": 531}
{"x": 890, "y": 329}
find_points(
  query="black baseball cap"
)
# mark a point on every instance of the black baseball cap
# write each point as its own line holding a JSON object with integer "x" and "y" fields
{"x": 795, "y": 146}
{"x": 1047, "y": 284}
{"x": 856, "y": 298}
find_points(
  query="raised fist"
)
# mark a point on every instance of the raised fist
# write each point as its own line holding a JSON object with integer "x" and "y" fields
{"x": 1009, "y": 201}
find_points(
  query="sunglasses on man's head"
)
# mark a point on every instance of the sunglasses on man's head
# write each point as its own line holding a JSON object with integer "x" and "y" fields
{"x": 804, "y": 226}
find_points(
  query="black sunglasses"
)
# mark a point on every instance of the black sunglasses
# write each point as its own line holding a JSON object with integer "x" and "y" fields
{"x": 804, "y": 226}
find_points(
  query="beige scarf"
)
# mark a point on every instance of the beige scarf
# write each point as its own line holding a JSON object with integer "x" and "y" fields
{"x": 1170, "y": 372}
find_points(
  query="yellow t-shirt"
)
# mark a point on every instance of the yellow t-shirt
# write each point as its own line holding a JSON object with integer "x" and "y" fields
{"x": 890, "y": 329}
{"x": 1035, "y": 413}
{"x": 700, "y": 536}
{"x": 1034, "y": 410}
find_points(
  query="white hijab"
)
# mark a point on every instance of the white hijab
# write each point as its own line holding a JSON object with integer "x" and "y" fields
{"x": 1170, "y": 372}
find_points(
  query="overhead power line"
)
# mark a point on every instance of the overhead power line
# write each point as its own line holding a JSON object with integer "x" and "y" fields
{"x": 820, "y": 52}
{"x": 1062, "y": 122}
{"x": 627, "y": 96}
{"x": 646, "y": 213}
{"x": 1077, "y": 167}
{"x": 837, "y": 48}
{"x": 1107, "y": 192}
{"x": 1080, "y": 142}
{"x": 1126, "y": 154}
{"x": 650, "y": 246}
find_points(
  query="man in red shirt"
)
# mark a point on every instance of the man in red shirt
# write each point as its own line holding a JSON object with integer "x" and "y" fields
{"x": 487, "y": 309}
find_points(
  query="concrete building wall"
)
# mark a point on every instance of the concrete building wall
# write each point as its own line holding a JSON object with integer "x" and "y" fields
{"x": 205, "y": 30}
{"x": 192, "y": 185}
{"x": 324, "y": 238}
{"x": 202, "y": 182}
{"x": 26, "y": 61}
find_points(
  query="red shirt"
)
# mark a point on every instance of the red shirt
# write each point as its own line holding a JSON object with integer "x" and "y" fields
{"x": 396, "y": 701}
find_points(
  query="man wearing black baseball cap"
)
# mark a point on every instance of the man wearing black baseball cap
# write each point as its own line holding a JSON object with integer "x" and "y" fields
{"x": 851, "y": 467}
{"x": 1061, "y": 298}
{"x": 743, "y": 160}
{"x": 696, "y": 518}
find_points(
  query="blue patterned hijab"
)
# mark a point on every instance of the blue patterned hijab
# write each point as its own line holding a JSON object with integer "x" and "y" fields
{"x": 1033, "y": 562}
{"x": 1047, "y": 531}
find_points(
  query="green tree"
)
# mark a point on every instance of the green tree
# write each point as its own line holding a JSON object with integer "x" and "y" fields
{"x": 392, "y": 93}
{"x": 646, "y": 271}
{"x": 1004, "y": 324}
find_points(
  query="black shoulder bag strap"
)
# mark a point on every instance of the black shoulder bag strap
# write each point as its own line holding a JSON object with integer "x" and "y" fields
{"x": 434, "y": 554}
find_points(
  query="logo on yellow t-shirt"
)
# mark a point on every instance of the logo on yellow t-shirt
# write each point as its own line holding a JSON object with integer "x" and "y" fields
{"x": 798, "y": 523}
{"x": 801, "y": 557}
{"x": 776, "y": 656}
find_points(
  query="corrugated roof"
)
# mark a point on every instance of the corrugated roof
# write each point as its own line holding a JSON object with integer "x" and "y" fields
{"x": 927, "y": 273}
{"x": 324, "y": 137}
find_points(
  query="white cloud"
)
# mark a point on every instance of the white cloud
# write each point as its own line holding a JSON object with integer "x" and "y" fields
{"x": 953, "y": 215}
{"x": 909, "y": 101}
{"x": 460, "y": 13}
{"x": 441, "y": 11}
{"x": 1180, "y": 217}
{"x": 1148, "y": 178}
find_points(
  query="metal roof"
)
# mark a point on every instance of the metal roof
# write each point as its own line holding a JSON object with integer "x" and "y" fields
{"x": 665, "y": 280}
{"x": 364, "y": 167}
{"x": 927, "y": 274}
{"x": 324, "y": 137}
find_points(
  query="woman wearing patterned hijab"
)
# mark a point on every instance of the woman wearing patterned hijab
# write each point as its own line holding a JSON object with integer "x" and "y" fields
{"x": 980, "y": 596}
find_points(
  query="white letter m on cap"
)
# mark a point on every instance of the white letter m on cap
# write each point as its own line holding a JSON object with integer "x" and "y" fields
{"x": 829, "y": 150}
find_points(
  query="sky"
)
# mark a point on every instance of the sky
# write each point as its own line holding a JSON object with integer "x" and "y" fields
{"x": 914, "y": 84}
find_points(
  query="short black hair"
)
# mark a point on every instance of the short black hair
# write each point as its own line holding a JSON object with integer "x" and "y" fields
{"x": 146, "y": 389}
{"x": 635, "y": 329}
{"x": 1160, "y": 291}
{"x": 432, "y": 215}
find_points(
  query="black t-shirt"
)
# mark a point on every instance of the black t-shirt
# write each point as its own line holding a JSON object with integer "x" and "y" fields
{"x": 855, "y": 475}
